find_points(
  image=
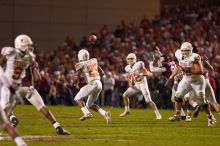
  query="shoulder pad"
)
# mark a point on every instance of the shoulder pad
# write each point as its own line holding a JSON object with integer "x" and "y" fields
{"x": 94, "y": 60}
{"x": 7, "y": 51}
{"x": 140, "y": 62}
{"x": 195, "y": 56}
{"x": 32, "y": 55}
{"x": 178, "y": 54}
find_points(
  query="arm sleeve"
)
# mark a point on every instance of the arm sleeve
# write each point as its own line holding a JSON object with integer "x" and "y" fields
{"x": 156, "y": 69}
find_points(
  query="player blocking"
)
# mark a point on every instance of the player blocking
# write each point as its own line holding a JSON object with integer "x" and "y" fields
{"x": 193, "y": 80}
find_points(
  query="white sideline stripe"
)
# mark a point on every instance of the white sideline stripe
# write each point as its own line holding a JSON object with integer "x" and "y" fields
{"x": 40, "y": 137}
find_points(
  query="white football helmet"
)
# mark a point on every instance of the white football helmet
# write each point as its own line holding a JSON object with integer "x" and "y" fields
{"x": 83, "y": 55}
{"x": 186, "y": 49}
{"x": 23, "y": 42}
{"x": 131, "y": 58}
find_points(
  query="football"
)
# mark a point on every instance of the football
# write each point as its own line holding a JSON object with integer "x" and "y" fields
{"x": 92, "y": 38}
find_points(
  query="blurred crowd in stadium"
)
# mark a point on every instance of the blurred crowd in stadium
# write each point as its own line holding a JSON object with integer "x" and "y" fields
{"x": 199, "y": 25}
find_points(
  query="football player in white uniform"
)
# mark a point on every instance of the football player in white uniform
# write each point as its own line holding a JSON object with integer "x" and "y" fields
{"x": 3, "y": 118}
{"x": 17, "y": 60}
{"x": 190, "y": 64}
{"x": 137, "y": 84}
{"x": 209, "y": 93}
{"x": 90, "y": 70}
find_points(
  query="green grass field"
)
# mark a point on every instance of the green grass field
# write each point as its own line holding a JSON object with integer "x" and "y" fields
{"x": 139, "y": 128}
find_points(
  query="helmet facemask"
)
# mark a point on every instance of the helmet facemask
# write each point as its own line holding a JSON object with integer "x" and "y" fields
{"x": 131, "y": 59}
{"x": 23, "y": 43}
{"x": 185, "y": 53}
{"x": 186, "y": 49}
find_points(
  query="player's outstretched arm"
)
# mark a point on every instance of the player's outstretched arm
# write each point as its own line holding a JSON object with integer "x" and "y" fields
{"x": 101, "y": 72}
{"x": 174, "y": 72}
{"x": 156, "y": 69}
{"x": 207, "y": 65}
{"x": 145, "y": 71}
{"x": 35, "y": 70}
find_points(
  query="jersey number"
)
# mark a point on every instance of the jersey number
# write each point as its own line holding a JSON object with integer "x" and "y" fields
{"x": 93, "y": 70}
{"x": 136, "y": 77}
{"x": 17, "y": 73}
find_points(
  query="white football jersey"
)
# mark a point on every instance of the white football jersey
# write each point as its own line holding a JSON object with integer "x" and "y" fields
{"x": 89, "y": 69}
{"x": 16, "y": 63}
{"x": 188, "y": 61}
{"x": 135, "y": 71}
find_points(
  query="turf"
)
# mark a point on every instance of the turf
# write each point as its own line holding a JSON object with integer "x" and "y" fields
{"x": 139, "y": 128}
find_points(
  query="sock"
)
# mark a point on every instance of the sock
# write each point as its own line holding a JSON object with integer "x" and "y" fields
{"x": 56, "y": 124}
{"x": 182, "y": 113}
{"x": 177, "y": 112}
{"x": 19, "y": 141}
{"x": 127, "y": 108}
{"x": 209, "y": 116}
{"x": 188, "y": 113}
{"x": 102, "y": 112}
{"x": 85, "y": 110}
{"x": 157, "y": 113}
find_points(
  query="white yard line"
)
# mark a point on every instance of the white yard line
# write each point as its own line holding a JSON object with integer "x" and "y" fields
{"x": 40, "y": 137}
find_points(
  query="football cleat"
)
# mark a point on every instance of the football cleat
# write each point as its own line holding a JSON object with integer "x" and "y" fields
{"x": 183, "y": 117}
{"x": 14, "y": 121}
{"x": 174, "y": 118}
{"x": 196, "y": 111}
{"x": 158, "y": 117}
{"x": 86, "y": 116}
{"x": 211, "y": 121}
{"x": 61, "y": 131}
{"x": 214, "y": 119}
{"x": 107, "y": 117}
{"x": 188, "y": 119}
{"x": 125, "y": 113}
{"x": 23, "y": 144}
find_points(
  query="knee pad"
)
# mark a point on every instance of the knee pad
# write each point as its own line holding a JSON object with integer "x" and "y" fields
{"x": 88, "y": 105}
{"x": 77, "y": 98}
{"x": 124, "y": 94}
{"x": 147, "y": 98}
{"x": 201, "y": 99}
{"x": 178, "y": 99}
